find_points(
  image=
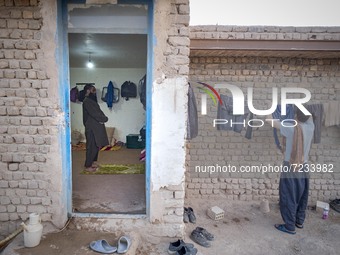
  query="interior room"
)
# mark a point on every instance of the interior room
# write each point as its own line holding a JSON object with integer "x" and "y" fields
{"x": 109, "y": 58}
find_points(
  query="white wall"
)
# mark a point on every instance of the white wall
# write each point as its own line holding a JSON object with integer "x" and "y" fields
{"x": 127, "y": 117}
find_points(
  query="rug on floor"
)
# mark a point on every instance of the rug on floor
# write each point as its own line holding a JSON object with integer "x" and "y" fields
{"x": 119, "y": 169}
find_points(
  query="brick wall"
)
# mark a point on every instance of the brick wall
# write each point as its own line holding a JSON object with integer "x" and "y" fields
{"x": 320, "y": 76}
{"x": 28, "y": 116}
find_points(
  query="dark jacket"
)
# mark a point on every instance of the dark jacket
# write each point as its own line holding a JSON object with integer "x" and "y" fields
{"x": 93, "y": 119}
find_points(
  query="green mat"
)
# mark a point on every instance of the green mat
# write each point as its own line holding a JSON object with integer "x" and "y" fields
{"x": 119, "y": 169}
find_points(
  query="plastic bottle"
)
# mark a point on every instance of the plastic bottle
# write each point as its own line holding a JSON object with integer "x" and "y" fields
{"x": 325, "y": 213}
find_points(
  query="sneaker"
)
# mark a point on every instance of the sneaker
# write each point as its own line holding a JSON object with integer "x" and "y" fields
{"x": 176, "y": 246}
{"x": 186, "y": 251}
{"x": 199, "y": 238}
{"x": 335, "y": 205}
{"x": 186, "y": 215}
{"x": 206, "y": 234}
{"x": 191, "y": 214}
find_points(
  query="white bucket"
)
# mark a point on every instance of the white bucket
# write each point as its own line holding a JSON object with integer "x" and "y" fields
{"x": 33, "y": 231}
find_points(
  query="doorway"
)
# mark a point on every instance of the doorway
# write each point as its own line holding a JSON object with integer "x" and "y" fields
{"x": 114, "y": 39}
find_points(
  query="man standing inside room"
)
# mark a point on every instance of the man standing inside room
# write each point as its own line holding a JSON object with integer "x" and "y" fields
{"x": 294, "y": 183}
{"x": 95, "y": 132}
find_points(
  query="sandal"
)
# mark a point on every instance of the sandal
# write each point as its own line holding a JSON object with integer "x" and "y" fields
{"x": 282, "y": 228}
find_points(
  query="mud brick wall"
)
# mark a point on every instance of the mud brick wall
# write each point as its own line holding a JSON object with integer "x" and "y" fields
{"x": 28, "y": 116}
{"x": 320, "y": 76}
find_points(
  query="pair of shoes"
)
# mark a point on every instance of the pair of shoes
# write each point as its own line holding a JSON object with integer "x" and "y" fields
{"x": 335, "y": 205}
{"x": 201, "y": 236}
{"x": 299, "y": 225}
{"x": 102, "y": 246}
{"x": 281, "y": 227}
{"x": 180, "y": 246}
{"x": 189, "y": 215}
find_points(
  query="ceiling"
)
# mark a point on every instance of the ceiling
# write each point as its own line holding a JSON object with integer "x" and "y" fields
{"x": 108, "y": 50}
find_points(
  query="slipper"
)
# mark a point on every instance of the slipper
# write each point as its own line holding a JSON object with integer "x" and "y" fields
{"x": 102, "y": 246}
{"x": 282, "y": 228}
{"x": 124, "y": 243}
{"x": 300, "y": 226}
{"x": 91, "y": 169}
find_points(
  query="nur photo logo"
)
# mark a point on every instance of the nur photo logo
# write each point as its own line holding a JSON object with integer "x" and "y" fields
{"x": 238, "y": 102}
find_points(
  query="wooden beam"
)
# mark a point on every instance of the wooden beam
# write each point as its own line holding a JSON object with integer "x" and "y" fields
{"x": 264, "y": 45}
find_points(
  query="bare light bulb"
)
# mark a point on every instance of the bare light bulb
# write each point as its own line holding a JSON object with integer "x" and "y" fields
{"x": 90, "y": 64}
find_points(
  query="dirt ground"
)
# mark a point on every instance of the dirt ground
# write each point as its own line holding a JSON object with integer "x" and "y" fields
{"x": 244, "y": 230}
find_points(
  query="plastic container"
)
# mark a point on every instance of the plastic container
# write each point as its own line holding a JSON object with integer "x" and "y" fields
{"x": 32, "y": 231}
{"x": 325, "y": 213}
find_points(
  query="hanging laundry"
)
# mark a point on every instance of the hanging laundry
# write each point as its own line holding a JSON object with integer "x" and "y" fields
{"x": 317, "y": 112}
{"x": 290, "y": 114}
{"x": 192, "y": 121}
{"x": 331, "y": 113}
{"x": 235, "y": 122}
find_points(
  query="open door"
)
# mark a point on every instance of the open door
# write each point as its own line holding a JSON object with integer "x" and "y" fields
{"x": 114, "y": 38}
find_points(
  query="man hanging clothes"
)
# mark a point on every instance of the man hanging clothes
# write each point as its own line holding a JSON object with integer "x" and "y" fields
{"x": 294, "y": 179}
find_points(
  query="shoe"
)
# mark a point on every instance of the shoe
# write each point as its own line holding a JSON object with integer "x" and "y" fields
{"x": 335, "y": 205}
{"x": 102, "y": 246}
{"x": 176, "y": 246}
{"x": 281, "y": 227}
{"x": 186, "y": 251}
{"x": 186, "y": 215}
{"x": 299, "y": 225}
{"x": 199, "y": 238}
{"x": 191, "y": 214}
{"x": 207, "y": 235}
{"x": 124, "y": 243}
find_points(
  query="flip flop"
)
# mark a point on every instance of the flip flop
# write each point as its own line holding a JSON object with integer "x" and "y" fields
{"x": 124, "y": 243}
{"x": 282, "y": 228}
{"x": 102, "y": 246}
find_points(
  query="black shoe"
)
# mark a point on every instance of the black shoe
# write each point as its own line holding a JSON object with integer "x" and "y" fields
{"x": 206, "y": 234}
{"x": 186, "y": 215}
{"x": 186, "y": 251}
{"x": 335, "y": 205}
{"x": 176, "y": 246}
{"x": 199, "y": 238}
{"x": 191, "y": 214}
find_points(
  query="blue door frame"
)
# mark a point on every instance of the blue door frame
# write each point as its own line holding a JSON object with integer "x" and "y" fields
{"x": 62, "y": 55}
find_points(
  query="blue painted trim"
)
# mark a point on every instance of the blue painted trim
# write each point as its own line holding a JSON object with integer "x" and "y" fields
{"x": 149, "y": 79}
{"x": 63, "y": 61}
{"x": 109, "y": 216}
{"x": 64, "y": 95}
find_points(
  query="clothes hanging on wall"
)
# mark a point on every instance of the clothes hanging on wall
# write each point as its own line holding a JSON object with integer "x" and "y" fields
{"x": 235, "y": 122}
{"x": 331, "y": 113}
{"x": 290, "y": 114}
{"x": 192, "y": 121}
{"x": 317, "y": 112}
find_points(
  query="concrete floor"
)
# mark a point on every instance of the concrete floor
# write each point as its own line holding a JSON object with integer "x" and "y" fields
{"x": 108, "y": 193}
